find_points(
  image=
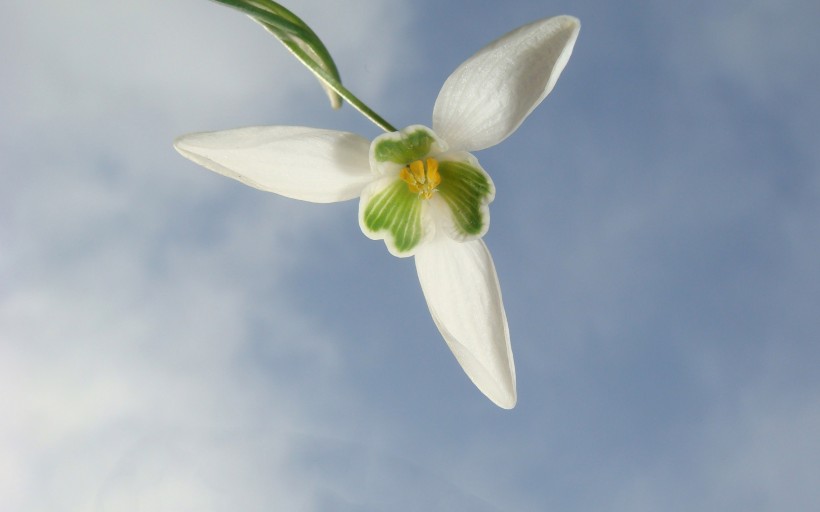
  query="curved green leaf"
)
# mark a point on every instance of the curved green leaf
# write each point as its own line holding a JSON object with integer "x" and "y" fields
{"x": 297, "y": 37}
{"x": 306, "y": 46}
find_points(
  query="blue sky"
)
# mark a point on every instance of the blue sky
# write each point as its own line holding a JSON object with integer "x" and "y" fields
{"x": 173, "y": 340}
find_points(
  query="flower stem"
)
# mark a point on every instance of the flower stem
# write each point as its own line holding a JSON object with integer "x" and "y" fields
{"x": 338, "y": 88}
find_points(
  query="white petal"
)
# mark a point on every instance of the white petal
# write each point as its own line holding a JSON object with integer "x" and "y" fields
{"x": 461, "y": 287}
{"x": 321, "y": 166}
{"x": 489, "y": 95}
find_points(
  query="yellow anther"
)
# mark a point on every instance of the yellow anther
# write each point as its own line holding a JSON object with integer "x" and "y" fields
{"x": 417, "y": 168}
{"x": 422, "y": 177}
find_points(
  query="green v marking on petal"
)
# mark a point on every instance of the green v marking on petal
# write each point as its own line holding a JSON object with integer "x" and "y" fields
{"x": 465, "y": 189}
{"x": 398, "y": 211}
{"x": 409, "y": 147}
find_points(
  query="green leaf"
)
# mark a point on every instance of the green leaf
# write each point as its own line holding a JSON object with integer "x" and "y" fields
{"x": 297, "y": 37}
{"x": 305, "y": 45}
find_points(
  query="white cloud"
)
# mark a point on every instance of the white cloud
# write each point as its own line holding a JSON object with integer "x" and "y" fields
{"x": 139, "y": 286}
{"x": 153, "y": 360}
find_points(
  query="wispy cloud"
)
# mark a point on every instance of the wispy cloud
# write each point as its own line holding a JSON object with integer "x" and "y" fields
{"x": 172, "y": 339}
{"x": 143, "y": 302}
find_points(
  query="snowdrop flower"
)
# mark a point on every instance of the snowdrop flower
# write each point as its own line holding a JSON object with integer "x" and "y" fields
{"x": 420, "y": 189}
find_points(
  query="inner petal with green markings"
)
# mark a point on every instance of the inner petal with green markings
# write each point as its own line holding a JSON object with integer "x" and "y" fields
{"x": 423, "y": 189}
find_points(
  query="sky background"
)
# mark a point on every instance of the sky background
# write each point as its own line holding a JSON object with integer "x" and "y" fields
{"x": 171, "y": 340}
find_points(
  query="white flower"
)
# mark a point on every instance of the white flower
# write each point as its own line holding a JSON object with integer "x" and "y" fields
{"x": 421, "y": 190}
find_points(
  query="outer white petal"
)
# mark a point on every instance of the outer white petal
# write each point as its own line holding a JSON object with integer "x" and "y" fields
{"x": 489, "y": 95}
{"x": 321, "y": 166}
{"x": 461, "y": 287}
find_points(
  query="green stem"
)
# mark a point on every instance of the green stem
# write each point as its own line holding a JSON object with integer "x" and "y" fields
{"x": 293, "y": 30}
{"x": 338, "y": 88}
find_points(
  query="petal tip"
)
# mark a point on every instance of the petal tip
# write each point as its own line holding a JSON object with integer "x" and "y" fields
{"x": 502, "y": 392}
{"x": 569, "y": 20}
{"x": 179, "y": 142}
{"x": 507, "y": 402}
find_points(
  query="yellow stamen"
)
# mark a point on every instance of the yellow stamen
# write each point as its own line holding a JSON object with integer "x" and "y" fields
{"x": 422, "y": 177}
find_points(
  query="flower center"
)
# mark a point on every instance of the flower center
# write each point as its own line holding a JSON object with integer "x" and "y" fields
{"x": 422, "y": 177}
